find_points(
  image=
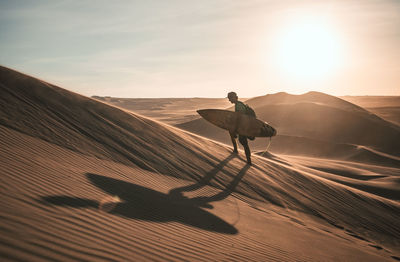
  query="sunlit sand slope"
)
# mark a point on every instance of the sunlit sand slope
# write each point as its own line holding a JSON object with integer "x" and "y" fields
{"x": 81, "y": 180}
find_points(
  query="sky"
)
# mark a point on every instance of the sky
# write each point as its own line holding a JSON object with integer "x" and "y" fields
{"x": 205, "y": 48}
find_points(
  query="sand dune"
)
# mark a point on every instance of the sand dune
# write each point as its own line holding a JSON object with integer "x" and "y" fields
{"x": 82, "y": 180}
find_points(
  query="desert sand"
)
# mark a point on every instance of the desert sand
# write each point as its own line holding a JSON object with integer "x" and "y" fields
{"x": 85, "y": 180}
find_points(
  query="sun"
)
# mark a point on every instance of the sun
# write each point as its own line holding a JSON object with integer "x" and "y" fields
{"x": 308, "y": 48}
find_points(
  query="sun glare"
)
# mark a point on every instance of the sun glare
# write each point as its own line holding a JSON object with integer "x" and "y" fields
{"x": 308, "y": 49}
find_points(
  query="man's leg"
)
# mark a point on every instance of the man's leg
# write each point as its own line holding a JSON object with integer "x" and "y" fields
{"x": 233, "y": 138}
{"x": 243, "y": 141}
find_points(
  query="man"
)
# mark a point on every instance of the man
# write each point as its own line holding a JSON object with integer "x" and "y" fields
{"x": 242, "y": 108}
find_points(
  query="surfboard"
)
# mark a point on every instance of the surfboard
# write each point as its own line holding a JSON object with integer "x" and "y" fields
{"x": 245, "y": 125}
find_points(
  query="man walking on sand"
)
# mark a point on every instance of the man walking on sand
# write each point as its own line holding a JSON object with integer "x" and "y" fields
{"x": 242, "y": 108}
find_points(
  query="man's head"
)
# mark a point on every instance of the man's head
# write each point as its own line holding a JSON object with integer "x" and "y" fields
{"x": 232, "y": 96}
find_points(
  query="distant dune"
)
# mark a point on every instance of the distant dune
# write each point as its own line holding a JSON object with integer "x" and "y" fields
{"x": 168, "y": 110}
{"x": 373, "y": 101}
{"x": 83, "y": 180}
{"x": 387, "y": 107}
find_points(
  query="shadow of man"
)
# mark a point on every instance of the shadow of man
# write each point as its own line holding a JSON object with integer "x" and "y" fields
{"x": 138, "y": 202}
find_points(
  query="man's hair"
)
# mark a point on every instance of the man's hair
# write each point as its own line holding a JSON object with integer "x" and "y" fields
{"x": 232, "y": 94}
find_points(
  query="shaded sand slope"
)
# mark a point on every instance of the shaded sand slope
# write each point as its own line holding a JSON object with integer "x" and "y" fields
{"x": 181, "y": 197}
{"x": 325, "y": 121}
{"x": 84, "y": 125}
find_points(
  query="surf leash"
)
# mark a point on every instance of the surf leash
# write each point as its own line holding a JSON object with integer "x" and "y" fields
{"x": 269, "y": 143}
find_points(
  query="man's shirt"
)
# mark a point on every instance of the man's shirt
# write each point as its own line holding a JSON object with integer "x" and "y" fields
{"x": 240, "y": 107}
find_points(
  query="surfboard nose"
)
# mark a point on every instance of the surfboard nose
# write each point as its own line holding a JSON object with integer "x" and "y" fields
{"x": 204, "y": 113}
{"x": 200, "y": 112}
